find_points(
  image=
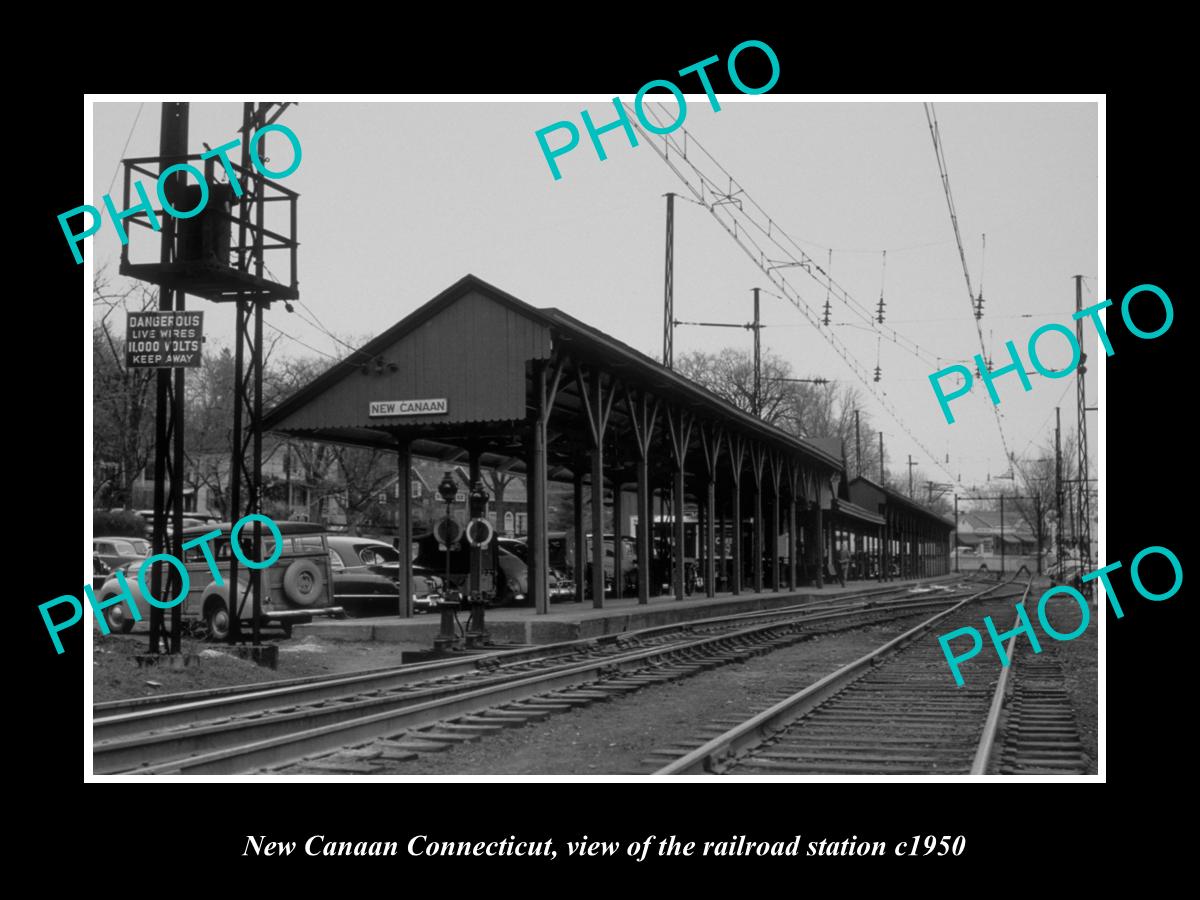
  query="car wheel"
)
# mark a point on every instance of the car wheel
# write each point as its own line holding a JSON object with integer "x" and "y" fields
{"x": 302, "y": 582}
{"x": 118, "y": 619}
{"x": 216, "y": 620}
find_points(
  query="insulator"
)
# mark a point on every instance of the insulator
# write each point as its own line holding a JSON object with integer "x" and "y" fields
{"x": 827, "y": 312}
{"x": 878, "y": 373}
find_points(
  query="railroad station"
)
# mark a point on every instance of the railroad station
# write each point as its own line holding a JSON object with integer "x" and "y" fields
{"x": 537, "y": 392}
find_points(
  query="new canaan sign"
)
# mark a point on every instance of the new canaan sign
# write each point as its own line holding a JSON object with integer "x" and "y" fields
{"x": 378, "y": 408}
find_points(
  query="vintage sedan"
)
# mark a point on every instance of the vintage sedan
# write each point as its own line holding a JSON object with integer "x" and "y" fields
{"x": 296, "y": 587}
{"x": 115, "y": 552}
{"x": 365, "y": 573}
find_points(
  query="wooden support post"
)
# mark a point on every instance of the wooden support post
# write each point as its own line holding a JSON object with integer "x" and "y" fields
{"x": 598, "y": 526}
{"x": 710, "y": 442}
{"x": 642, "y": 416}
{"x": 710, "y": 536}
{"x": 723, "y": 539}
{"x": 679, "y": 426}
{"x": 597, "y": 406}
{"x": 819, "y": 541}
{"x": 776, "y": 478}
{"x": 546, "y": 389}
{"x": 737, "y": 456}
{"x": 793, "y": 476}
{"x": 404, "y": 527}
{"x": 580, "y": 540}
{"x": 618, "y": 542}
{"x": 757, "y": 458}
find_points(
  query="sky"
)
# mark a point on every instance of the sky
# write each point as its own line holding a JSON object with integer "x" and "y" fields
{"x": 401, "y": 199}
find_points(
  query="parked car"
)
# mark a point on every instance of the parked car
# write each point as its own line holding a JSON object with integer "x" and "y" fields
{"x": 364, "y": 574}
{"x": 427, "y": 590}
{"x": 296, "y": 587}
{"x": 513, "y": 561}
{"x": 101, "y": 572}
{"x": 115, "y": 552}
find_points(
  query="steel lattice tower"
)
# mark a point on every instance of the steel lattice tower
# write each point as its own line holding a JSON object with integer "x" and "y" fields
{"x": 1084, "y": 505}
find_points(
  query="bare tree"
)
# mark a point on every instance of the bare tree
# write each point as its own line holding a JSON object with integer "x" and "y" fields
{"x": 365, "y": 474}
{"x": 729, "y": 374}
{"x": 805, "y": 409}
{"x": 122, "y": 398}
{"x": 496, "y": 481}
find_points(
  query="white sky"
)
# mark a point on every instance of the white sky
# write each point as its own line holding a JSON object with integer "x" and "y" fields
{"x": 399, "y": 200}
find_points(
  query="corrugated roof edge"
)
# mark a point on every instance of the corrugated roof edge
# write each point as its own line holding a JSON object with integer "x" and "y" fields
{"x": 687, "y": 386}
{"x": 549, "y": 316}
{"x": 908, "y": 501}
{"x": 384, "y": 339}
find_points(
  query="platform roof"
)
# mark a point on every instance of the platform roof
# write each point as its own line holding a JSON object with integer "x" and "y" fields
{"x": 474, "y": 345}
{"x": 853, "y": 511}
{"x": 895, "y": 498}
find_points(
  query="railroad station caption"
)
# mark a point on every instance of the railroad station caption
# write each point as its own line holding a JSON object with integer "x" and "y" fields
{"x": 423, "y": 845}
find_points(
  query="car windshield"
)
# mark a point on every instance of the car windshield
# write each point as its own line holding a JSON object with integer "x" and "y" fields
{"x": 377, "y": 554}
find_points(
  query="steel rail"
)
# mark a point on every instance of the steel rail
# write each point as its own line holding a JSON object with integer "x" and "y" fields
{"x": 988, "y": 740}
{"x": 118, "y": 717}
{"x": 755, "y": 730}
{"x": 231, "y": 746}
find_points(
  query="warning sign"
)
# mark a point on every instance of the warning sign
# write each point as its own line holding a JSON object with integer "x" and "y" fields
{"x": 160, "y": 340}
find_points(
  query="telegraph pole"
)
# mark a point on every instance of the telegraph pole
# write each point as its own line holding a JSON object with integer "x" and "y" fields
{"x": 757, "y": 358}
{"x": 857, "y": 447}
{"x": 956, "y": 533}
{"x": 168, "y": 418}
{"x": 1058, "y": 486}
{"x": 1084, "y": 506}
{"x": 881, "y": 476}
{"x": 1001, "y": 535}
{"x": 669, "y": 289}
{"x": 910, "y": 480}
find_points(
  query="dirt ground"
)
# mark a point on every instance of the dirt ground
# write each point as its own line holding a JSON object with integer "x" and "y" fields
{"x": 116, "y": 675}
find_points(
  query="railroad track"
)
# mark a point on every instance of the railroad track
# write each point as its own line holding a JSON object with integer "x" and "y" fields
{"x": 897, "y": 711}
{"x": 230, "y": 731}
{"x": 111, "y": 713}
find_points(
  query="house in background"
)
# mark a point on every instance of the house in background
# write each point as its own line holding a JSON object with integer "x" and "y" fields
{"x": 982, "y": 532}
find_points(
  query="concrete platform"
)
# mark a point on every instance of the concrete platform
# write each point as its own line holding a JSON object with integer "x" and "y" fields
{"x": 568, "y": 621}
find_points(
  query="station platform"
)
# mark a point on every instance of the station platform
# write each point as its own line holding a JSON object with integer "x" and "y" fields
{"x": 568, "y": 621}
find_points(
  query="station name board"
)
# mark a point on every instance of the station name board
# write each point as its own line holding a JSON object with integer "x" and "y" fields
{"x": 161, "y": 340}
{"x": 407, "y": 407}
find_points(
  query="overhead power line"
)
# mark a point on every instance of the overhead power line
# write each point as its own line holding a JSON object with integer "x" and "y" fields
{"x": 727, "y": 204}
{"x": 724, "y": 191}
{"x": 976, "y": 303}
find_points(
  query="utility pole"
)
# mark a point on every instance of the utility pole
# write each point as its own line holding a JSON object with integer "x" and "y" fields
{"x": 910, "y": 480}
{"x": 1037, "y": 514}
{"x": 669, "y": 289}
{"x": 1001, "y": 535}
{"x": 857, "y": 447}
{"x": 168, "y": 412}
{"x": 757, "y": 358}
{"x": 1084, "y": 506}
{"x": 1058, "y": 486}
{"x": 956, "y": 533}
{"x": 881, "y": 475}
